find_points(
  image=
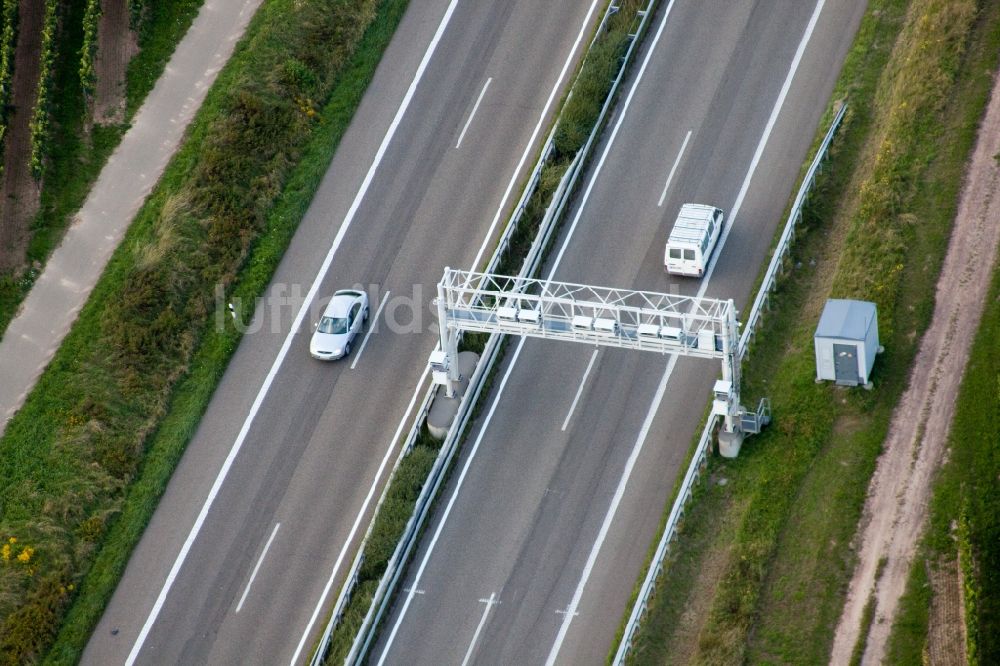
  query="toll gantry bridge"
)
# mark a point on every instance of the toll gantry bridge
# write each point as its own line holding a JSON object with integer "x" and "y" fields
{"x": 603, "y": 316}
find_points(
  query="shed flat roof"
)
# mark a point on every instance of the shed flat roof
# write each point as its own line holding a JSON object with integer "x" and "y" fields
{"x": 845, "y": 319}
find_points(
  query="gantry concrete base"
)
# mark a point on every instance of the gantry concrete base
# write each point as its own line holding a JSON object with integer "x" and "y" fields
{"x": 443, "y": 409}
{"x": 730, "y": 443}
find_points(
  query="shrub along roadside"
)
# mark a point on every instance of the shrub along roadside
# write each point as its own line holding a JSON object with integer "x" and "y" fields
{"x": 40, "y": 120}
{"x": 776, "y": 587}
{"x": 93, "y": 448}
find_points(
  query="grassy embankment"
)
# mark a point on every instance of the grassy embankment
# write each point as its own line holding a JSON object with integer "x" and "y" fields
{"x": 760, "y": 572}
{"x": 90, "y": 453}
{"x": 73, "y": 151}
{"x": 576, "y": 120}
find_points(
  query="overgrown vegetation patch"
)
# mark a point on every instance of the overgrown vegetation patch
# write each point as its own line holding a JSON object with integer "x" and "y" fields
{"x": 90, "y": 452}
{"x": 88, "y": 50}
{"x": 886, "y": 203}
{"x": 8, "y": 37}
{"x": 40, "y": 120}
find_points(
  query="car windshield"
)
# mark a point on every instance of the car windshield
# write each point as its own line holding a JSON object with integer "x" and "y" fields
{"x": 333, "y": 325}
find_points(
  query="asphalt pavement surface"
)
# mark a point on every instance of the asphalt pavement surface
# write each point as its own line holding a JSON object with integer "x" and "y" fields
{"x": 267, "y": 556}
{"x": 543, "y": 529}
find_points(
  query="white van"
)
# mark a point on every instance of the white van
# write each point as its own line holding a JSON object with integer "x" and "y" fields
{"x": 692, "y": 239}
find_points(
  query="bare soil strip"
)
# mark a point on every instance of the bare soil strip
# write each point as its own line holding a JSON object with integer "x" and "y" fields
{"x": 18, "y": 191}
{"x": 895, "y": 510}
{"x": 116, "y": 45}
{"x": 946, "y": 629}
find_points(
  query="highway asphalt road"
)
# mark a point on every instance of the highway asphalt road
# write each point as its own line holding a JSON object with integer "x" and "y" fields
{"x": 248, "y": 576}
{"x": 542, "y": 531}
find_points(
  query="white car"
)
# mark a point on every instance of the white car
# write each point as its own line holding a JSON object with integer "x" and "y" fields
{"x": 341, "y": 322}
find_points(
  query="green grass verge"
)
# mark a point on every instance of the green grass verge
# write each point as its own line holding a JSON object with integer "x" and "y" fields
{"x": 94, "y": 446}
{"x": 908, "y": 640}
{"x": 75, "y": 156}
{"x": 796, "y": 492}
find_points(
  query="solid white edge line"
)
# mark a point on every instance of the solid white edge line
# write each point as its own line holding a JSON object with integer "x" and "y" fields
{"x": 763, "y": 141}
{"x": 371, "y": 328}
{"x": 410, "y": 595}
{"x": 286, "y": 345}
{"x": 623, "y": 482}
{"x": 579, "y": 391}
{"x": 520, "y": 346}
{"x": 673, "y": 169}
{"x": 534, "y": 134}
{"x": 473, "y": 114}
{"x": 448, "y": 507}
{"x": 357, "y": 521}
{"x": 571, "y": 610}
{"x": 611, "y": 139}
{"x": 260, "y": 561}
{"x": 482, "y": 621}
{"x": 486, "y": 240}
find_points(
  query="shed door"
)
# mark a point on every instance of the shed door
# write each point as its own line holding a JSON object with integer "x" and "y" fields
{"x": 845, "y": 363}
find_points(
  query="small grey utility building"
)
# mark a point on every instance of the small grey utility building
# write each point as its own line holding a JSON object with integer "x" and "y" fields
{"x": 846, "y": 342}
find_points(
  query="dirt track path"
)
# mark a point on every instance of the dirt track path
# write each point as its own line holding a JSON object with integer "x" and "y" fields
{"x": 896, "y": 507}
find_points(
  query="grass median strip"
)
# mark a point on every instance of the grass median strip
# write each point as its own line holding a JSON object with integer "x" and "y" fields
{"x": 387, "y": 529}
{"x": 91, "y": 451}
{"x": 876, "y": 228}
{"x": 576, "y": 120}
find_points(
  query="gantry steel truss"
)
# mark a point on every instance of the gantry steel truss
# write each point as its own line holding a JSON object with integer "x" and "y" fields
{"x": 604, "y": 316}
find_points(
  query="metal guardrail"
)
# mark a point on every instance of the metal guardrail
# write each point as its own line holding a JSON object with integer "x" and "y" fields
{"x": 531, "y": 264}
{"x": 788, "y": 235}
{"x": 700, "y": 456}
{"x": 421, "y": 511}
{"x": 352, "y": 580}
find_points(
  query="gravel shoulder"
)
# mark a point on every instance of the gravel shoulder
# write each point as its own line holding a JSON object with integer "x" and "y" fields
{"x": 896, "y": 508}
